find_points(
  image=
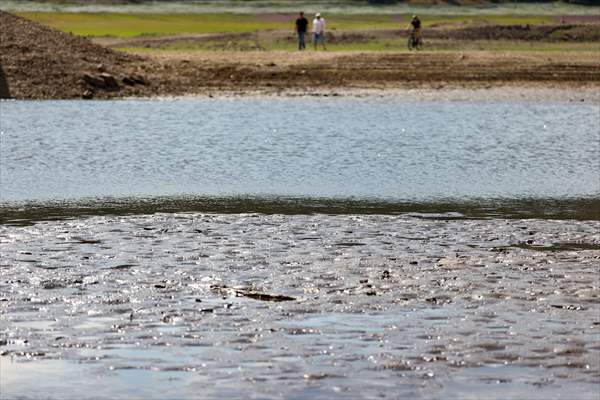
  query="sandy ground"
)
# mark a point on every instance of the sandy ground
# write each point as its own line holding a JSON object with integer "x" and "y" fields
{"x": 532, "y": 75}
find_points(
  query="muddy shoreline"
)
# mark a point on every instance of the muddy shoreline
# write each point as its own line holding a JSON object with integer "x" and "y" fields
{"x": 346, "y": 74}
{"x": 178, "y": 74}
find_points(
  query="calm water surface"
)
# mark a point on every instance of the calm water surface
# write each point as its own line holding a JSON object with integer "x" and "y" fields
{"x": 378, "y": 148}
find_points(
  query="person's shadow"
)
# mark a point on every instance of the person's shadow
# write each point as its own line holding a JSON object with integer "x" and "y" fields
{"x": 4, "y": 92}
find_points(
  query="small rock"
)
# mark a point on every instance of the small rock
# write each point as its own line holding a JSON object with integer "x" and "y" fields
{"x": 94, "y": 81}
{"x": 4, "y": 92}
{"x": 110, "y": 81}
{"x": 128, "y": 81}
{"x": 87, "y": 95}
{"x": 139, "y": 79}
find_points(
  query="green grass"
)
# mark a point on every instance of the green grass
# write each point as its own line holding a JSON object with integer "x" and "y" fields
{"x": 137, "y": 24}
{"x": 128, "y": 25}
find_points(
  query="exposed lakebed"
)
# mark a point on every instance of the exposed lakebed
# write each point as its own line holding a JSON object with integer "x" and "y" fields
{"x": 301, "y": 306}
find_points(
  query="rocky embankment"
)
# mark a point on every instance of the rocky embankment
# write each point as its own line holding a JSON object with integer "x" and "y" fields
{"x": 42, "y": 63}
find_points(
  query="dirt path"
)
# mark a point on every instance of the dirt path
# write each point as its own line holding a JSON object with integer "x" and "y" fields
{"x": 183, "y": 73}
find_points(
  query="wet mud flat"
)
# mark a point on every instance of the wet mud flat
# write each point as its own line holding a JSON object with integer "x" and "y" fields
{"x": 190, "y": 305}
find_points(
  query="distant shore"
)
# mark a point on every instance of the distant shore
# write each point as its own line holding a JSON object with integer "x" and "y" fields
{"x": 473, "y": 75}
{"x": 40, "y": 62}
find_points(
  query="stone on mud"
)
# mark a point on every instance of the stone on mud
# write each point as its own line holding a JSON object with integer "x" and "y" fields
{"x": 4, "y": 92}
{"x": 109, "y": 81}
{"x": 139, "y": 79}
{"x": 94, "y": 82}
{"x": 87, "y": 95}
{"x": 104, "y": 81}
{"x": 128, "y": 81}
{"x": 132, "y": 80}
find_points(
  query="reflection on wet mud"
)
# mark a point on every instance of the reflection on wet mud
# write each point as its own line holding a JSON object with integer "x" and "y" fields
{"x": 300, "y": 306}
{"x": 559, "y": 246}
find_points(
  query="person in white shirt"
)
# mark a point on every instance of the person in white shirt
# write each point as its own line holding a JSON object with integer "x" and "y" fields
{"x": 319, "y": 31}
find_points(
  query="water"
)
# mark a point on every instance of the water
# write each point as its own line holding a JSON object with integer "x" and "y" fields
{"x": 299, "y": 248}
{"x": 178, "y": 305}
{"x": 333, "y": 148}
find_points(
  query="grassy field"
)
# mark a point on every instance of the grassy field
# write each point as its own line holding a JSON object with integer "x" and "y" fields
{"x": 131, "y": 25}
{"x": 251, "y": 32}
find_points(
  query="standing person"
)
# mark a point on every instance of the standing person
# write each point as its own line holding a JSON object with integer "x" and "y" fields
{"x": 319, "y": 31}
{"x": 301, "y": 25}
{"x": 416, "y": 30}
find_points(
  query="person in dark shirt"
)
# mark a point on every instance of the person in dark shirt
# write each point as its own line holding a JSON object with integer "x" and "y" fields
{"x": 301, "y": 26}
{"x": 416, "y": 25}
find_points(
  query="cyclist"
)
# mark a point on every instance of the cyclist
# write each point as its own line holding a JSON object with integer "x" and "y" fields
{"x": 416, "y": 31}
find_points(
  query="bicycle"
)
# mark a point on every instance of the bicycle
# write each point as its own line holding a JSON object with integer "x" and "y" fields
{"x": 414, "y": 41}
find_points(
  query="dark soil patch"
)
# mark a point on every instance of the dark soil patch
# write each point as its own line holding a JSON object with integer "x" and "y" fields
{"x": 579, "y": 19}
{"x": 545, "y": 33}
